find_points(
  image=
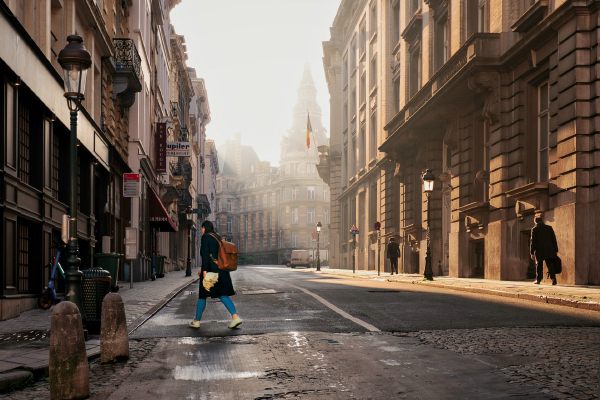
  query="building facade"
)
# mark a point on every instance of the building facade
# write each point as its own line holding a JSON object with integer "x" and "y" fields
{"x": 137, "y": 60}
{"x": 270, "y": 211}
{"x": 356, "y": 62}
{"x": 496, "y": 98}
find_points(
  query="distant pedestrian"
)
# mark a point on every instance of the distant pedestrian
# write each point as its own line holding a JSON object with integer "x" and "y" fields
{"x": 393, "y": 252}
{"x": 543, "y": 247}
{"x": 214, "y": 282}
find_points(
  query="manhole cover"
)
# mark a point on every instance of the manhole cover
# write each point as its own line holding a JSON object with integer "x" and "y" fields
{"x": 261, "y": 291}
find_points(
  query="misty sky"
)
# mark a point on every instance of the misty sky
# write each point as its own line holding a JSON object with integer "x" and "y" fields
{"x": 252, "y": 54}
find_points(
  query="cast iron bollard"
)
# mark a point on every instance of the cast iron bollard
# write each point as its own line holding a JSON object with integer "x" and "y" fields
{"x": 114, "y": 341}
{"x": 68, "y": 364}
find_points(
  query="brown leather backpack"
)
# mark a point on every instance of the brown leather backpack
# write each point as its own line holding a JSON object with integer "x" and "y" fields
{"x": 227, "y": 259}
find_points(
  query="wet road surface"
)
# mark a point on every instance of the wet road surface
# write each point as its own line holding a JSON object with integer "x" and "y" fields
{"x": 311, "y": 336}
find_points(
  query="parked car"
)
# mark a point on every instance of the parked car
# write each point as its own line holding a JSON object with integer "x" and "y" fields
{"x": 300, "y": 258}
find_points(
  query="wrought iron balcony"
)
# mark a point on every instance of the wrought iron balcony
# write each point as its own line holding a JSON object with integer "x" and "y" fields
{"x": 128, "y": 74}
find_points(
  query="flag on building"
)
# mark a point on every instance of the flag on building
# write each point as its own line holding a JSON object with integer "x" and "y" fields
{"x": 308, "y": 131}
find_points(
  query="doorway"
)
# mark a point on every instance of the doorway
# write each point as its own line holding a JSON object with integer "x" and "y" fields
{"x": 477, "y": 259}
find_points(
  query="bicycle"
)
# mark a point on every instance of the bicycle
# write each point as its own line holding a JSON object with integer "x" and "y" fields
{"x": 48, "y": 296}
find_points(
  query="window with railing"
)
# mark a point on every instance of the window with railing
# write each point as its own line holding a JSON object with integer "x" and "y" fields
{"x": 311, "y": 192}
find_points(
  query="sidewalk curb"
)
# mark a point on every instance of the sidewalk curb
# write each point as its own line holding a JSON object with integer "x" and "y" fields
{"x": 573, "y": 303}
{"x": 158, "y": 306}
{"x": 20, "y": 377}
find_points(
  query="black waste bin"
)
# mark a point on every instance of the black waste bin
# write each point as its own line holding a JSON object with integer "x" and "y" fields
{"x": 110, "y": 262}
{"x": 160, "y": 267}
{"x": 95, "y": 285}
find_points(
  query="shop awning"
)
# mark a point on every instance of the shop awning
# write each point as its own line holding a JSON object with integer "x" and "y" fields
{"x": 159, "y": 216}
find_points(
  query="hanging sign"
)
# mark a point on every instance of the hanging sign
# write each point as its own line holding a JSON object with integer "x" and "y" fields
{"x": 131, "y": 185}
{"x": 179, "y": 149}
{"x": 161, "y": 148}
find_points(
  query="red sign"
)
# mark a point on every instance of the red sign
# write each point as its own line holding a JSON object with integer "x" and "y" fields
{"x": 161, "y": 147}
{"x": 131, "y": 185}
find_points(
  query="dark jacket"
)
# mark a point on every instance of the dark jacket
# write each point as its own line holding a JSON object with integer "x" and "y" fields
{"x": 543, "y": 242}
{"x": 393, "y": 250}
{"x": 209, "y": 246}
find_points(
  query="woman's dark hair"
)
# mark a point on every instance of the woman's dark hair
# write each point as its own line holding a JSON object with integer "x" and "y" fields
{"x": 208, "y": 226}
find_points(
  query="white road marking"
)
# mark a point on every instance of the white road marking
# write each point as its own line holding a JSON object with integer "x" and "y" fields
{"x": 341, "y": 312}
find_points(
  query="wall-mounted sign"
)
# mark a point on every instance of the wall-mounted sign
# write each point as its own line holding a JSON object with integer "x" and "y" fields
{"x": 179, "y": 149}
{"x": 161, "y": 147}
{"x": 131, "y": 185}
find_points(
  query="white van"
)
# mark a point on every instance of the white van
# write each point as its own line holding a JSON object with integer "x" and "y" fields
{"x": 300, "y": 258}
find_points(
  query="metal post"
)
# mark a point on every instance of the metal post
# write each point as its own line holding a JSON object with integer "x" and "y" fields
{"x": 428, "y": 275}
{"x": 73, "y": 274}
{"x": 188, "y": 267}
{"x": 353, "y": 253}
{"x": 318, "y": 252}
{"x": 378, "y": 253}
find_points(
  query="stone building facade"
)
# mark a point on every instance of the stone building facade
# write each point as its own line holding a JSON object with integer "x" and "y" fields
{"x": 128, "y": 94}
{"x": 270, "y": 211}
{"x": 356, "y": 62}
{"x": 496, "y": 97}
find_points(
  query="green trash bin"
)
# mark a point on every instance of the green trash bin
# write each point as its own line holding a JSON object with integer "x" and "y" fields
{"x": 110, "y": 262}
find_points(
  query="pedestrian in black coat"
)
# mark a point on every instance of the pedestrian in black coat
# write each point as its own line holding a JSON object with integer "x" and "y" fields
{"x": 543, "y": 247}
{"x": 393, "y": 252}
{"x": 223, "y": 288}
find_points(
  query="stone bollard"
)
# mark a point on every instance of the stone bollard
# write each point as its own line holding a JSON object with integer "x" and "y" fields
{"x": 114, "y": 340}
{"x": 68, "y": 364}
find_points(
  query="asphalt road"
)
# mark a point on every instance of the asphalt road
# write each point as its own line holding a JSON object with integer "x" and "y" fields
{"x": 313, "y": 336}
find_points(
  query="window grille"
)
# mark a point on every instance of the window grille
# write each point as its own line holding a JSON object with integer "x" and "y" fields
{"x": 24, "y": 143}
{"x": 23, "y": 256}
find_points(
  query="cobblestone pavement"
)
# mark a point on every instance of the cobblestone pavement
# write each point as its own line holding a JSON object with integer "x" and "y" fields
{"x": 104, "y": 378}
{"x": 562, "y": 362}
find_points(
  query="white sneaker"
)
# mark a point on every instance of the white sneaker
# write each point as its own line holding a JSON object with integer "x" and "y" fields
{"x": 195, "y": 324}
{"x": 235, "y": 323}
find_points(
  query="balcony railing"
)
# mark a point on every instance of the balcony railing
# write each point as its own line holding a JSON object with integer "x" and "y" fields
{"x": 480, "y": 48}
{"x": 128, "y": 73}
{"x": 127, "y": 58}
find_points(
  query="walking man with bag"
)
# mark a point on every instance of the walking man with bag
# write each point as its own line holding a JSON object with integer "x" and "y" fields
{"x": 214, "y": 281}
{"x": 393, "y": 252}
{"x": 543, "y": 247}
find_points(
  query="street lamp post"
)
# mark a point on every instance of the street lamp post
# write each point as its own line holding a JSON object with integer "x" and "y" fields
{"x": 428, "y": 179}
{"x": 318, "y": 250}
{"x": 74, "y": 60}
